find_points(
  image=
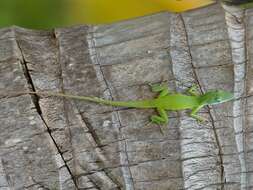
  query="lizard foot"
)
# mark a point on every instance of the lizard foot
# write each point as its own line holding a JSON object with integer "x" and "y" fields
{"x": 158, "y": 87}
{"x": 203, "y": 121}
{"x": 193, "y": 90}
{"x": 157, "y": 120}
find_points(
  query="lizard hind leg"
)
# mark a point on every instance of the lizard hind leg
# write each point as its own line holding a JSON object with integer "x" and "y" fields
{"x": 160, "y": 119}
{"x": 194, "y": 115}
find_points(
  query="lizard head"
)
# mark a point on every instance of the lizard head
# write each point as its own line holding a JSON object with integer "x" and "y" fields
{"x": 216, "y": 97}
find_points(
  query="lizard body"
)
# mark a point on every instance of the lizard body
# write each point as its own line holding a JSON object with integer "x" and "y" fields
{"x": 166, "y": 101}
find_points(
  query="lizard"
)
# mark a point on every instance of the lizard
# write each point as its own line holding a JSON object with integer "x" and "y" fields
{"x": 165, "y": 101}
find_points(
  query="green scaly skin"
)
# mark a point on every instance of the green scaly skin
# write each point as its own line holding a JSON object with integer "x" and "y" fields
{"x": 166, "y": 101}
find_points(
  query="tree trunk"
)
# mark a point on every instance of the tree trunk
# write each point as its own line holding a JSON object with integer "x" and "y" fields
{"x": 54, "y": 143}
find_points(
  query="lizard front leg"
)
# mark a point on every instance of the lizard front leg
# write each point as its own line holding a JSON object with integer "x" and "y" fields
{"x": 194, "y": 115}
{"x": 162, "y": 88}
{"x": 160, "y": 119}
{"x": 193, "y": 90}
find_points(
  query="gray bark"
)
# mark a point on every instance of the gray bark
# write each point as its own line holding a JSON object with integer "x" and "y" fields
{"x": 54, "y": 143}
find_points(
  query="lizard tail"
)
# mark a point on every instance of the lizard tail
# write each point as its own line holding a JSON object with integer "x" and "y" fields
{"x": 132, "y": 104}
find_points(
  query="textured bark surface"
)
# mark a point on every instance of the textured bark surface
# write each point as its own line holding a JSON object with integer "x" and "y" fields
{"x": 54, "y": 143}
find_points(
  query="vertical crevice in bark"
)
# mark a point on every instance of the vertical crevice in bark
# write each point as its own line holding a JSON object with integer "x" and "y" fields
{"x": 28, "y": 77}
{"x": 237, "y": 35}
{"x": 217, "y": 140}
{"x": 35, "y": 99}
{"x": 184, "y": 72}
{"x": 54, "y": 36}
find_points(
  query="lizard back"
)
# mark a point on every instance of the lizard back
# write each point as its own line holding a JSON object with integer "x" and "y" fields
{"x": 176, "y": 102}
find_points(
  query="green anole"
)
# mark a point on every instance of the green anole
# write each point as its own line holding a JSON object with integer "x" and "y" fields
{"x": 166, "y": 101}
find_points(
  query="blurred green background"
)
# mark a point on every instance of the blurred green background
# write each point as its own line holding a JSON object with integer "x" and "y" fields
{"x": 46, "y": 14}
{"x": 35, "y": 14}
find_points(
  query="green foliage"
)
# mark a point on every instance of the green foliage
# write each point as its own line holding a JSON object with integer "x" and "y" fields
{"x": 45, "y": 14}
{"x": 32, "y": 13}
{"x": 242, "y": 3}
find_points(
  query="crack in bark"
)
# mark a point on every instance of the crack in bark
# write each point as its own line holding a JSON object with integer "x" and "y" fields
{"x": 91, "y": 131}
{"x": 35, "y": 99}
{"x": 209, "y": 110}
{"x": 54, "y": 36}
{"x": 99, "y": 146}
